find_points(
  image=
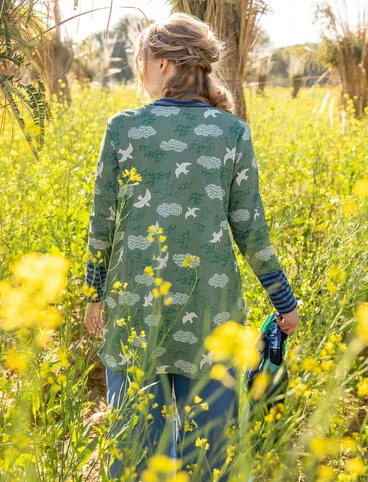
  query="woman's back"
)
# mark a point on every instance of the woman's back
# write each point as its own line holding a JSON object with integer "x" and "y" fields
{"x": 198, "y": 174}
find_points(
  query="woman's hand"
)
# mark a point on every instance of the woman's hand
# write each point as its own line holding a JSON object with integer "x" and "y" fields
{"x": 288, "y": 321}
{"x": 93, "y": 317}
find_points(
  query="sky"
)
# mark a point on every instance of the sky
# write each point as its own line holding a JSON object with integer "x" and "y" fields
{"x": 289, "y": 24}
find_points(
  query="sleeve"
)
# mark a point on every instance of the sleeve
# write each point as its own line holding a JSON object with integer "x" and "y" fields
{"x": 104, "y": 212}
{"x": 249, "y": 228}
{"x": 95, "y": 277}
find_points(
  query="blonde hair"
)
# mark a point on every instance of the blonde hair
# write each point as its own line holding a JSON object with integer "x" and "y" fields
{"x": 196, "y": 51}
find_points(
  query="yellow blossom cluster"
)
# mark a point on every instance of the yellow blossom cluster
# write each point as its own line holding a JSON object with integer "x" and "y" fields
{"x": 40, "y": 280}
{"x": 162, "y": 468}
{"x": 234, "y": 342}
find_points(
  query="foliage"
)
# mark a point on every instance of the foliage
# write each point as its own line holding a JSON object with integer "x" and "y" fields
{"x": 313, "y": 179}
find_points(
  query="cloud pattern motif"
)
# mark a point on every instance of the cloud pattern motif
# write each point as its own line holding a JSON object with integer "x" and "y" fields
{"x": 218, "y": 280}
{"x": 138, "y": 242}
{"x": 221, "y": 317}
{"x": 208, "y": 130}
{"x": 239, "y": 215}
{"x": 165, "y": 111}
{"x": 166, "y": 209}
{"x": 215, "y": 192}
{"x": 266, "y": 253}
{"x": 179, "y": 259}
{"x": 141, "y": 132}
{"x": 173, "y": 145}
{"x": 185, "y": 337}
{"x": 210, "y": 162}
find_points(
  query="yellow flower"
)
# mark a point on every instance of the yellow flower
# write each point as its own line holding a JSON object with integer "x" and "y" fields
{"x": 151, "y": 229}
{"x": 117, "y": 284}
{"x": 164, "y": 464}
{"x": 362, "y": 324}
{"x": 260, "y": 385}
{"x": 360, "y": 188}
{"x": 331, "y": 287}
{"x": 150, "y": 238}
{"x": 356, "y": 466}
{"x": 325, "y": 472}
{"x": 197, "y": 399}
{"x": 200, "y": 442}
{"x": 363, "y": 387}
{"x": 168, "y": 300}
{"x": 149, "y": 270}
{"x": 162, "y": 239}
{"x": 309, "y": 364}
{"x": 319, "y": 446}
{"x": 164, "y": 248}
{"x": 187, "y": 408}
{"x": 158, "y": 281}
{"x": 121, "y": 322}
{"x": 155, "y": 293}
{"x": 164, "y": 288}
{"x": 14, "y": 360}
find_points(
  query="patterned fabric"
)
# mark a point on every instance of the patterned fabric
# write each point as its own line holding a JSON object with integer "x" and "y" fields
{"x": 276, "y": 285}
{"x": 200, "y": 184}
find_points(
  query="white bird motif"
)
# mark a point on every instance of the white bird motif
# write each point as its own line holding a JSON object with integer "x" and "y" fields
{"x": 241, "y": 175}
{"x": 211, "y": 112}
{"x": 126, "y": 154}
{"x": 143, "y": 200}
{"x": 182, "y": 168}
{"x": 148, "y": 299}
{"x": 256, "y": 214}
{"x": 189, "y": 317}
{"x": 216, "y": 236}
{"x": 206, "y": 359}
{"x": 162, "y": 369}
{"x": 236, "y": 265}
{"x": 99, "y": 169}
{"x": 112, "y": 214}
{"x": 230, "y": 154}
{"x": 162, "y": 262}
{"x": 123, "y": 359}
{"x": 191, "y": 212}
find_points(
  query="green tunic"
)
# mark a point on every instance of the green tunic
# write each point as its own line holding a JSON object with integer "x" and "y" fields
{"x": 200, "y": 184}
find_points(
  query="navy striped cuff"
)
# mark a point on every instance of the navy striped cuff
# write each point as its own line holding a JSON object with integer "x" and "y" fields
{"x": 279, "y": 291}
{"x": 96, "y": 277}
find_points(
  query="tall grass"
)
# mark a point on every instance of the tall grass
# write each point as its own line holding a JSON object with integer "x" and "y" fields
{"x": 314, "y": 186}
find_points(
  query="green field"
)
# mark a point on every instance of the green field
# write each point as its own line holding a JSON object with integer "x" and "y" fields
{"x": 314, "y": 185}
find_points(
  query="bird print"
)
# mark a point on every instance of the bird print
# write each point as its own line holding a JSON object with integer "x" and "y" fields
{"x": 112, "y": 214}
{"x": 230, "y": 154}
{"x": 211, "y": 112}
{"x": 148, "y": 299}
{"x": 206, "y": 359}
{"x": 123, "y": 359}
{"x": 216, "y": 236}
{"x": 161, "y": 369}
{"x": 191, "y": 212}
{"x": 189, "y": 317}
{"x": 126, "y": 154}
{"x": 162, "y": 262}
{"x": 143, "y": 200}
{"x": 182, "y": 168}
{"x": 242, "y": 176}
{"x": 99, "y": 169}
{"x": 256, "y": 214}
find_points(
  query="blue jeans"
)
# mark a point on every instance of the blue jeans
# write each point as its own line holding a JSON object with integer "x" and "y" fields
{"x": 222, "y": 413}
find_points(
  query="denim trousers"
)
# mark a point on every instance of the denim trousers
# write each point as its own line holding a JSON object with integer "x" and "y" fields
{"x": 212, "y": 424}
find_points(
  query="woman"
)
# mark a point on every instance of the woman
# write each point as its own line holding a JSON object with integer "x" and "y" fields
{"x": 199, "y": 177}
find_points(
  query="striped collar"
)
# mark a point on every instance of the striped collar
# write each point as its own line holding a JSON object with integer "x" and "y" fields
{"x": 182, "y": 102}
